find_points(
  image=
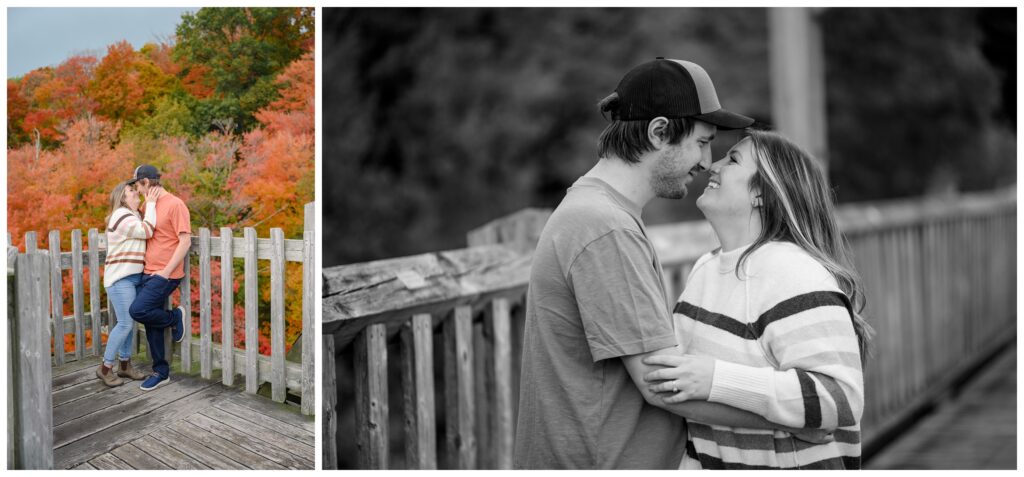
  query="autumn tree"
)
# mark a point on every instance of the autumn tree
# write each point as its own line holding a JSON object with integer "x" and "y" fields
{"x": 244, "y": 49}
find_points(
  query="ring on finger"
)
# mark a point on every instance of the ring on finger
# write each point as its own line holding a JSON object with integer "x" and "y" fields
{"x": 675, "y": 387}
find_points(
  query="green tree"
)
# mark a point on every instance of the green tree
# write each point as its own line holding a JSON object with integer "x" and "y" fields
{"x": 243, "y": 49}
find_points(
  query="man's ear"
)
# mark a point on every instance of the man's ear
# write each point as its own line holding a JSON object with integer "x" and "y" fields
{"x": 657, "y": 132}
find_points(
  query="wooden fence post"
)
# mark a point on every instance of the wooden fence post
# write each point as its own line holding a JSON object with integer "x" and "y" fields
{"x": 459, "y": 399}
{"x": 30, "y": 366}
{"x": 77, "y": 292}
{"x": 329, "y": 419}
{"x": 56, "y": 298}
{"x": 227, "y": 307}
{"x": 418, "y": 386}
{"x": 308, "y": 316}
{"x": 94, "y": 290}
{"x": 205, "y": 331}
{"x": 371, "y": 388}
{"x": 252, "y": 341}
{"x": 278, "y": 392}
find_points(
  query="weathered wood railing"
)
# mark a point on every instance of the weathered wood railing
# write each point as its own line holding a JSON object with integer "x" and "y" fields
{"x": 940, "y": 281}
{"x": 283, "y": 375}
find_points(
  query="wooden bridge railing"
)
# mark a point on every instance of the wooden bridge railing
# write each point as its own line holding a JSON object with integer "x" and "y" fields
{"x": 256, "y": 369}
{"x": 940, "y": 282}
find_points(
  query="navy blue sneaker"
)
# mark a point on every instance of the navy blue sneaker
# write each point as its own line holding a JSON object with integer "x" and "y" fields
{"x": 154, "y": 381}
{"x": 178, "y": 327}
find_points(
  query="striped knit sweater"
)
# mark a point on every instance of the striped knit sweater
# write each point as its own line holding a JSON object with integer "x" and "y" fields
{"x": 126, "y": 242}
{"x": 784, "y": 348}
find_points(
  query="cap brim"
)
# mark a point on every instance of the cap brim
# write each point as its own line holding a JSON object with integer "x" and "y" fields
{"x": 726, "y": 120}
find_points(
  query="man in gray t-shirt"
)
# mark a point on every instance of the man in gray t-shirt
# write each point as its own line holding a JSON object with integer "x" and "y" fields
{"x": 596, "y": 305}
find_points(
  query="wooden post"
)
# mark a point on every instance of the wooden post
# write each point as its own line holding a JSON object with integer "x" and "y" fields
{"x": 205, "y": 306}
{"x": 56, "y": 298}
{"x": 30, "y": 242}
{"x": 252, "y": 317}
{"x": 94, "y": 289}
{"x": 77, "y": 292}
{"x": 418, "y": 387}
{"x": 329, "y": 419}
{"x": 30, "y": 366}
{"x": 308, "y": 314}
{"x": 504, "y": 430}
{"x": 798, "y": 78}
{"x": 186, "y": 320}
{"x": 459, "y": 402}
{"x": 12, "y": 355}
{"x": 227, "y": 307}
{"x": 371, "y": 388}
{"x": 278, "y": 392}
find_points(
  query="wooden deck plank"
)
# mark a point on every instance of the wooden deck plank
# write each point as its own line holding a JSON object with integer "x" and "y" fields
{"x": 224, "y": 447}
{"x": 73, "y": 366}
{"x": 122, "y": 427}
{"x": 102, "y": 399}
{"x": 983, "y": 419}
{"x": 138, "y": 458}
{"x": 151, "y": 400}
{"x": 171, "y": 458}
{"x": 109, "y": 462}
{"x": 251, "y": 443}
{"x": 280, "y": 427}
{"x": 297, "y": 447}
{"x": 84, "y": 466}
{"x": 281, "y": 412}
{"x": 132, "y": 424}
{"x": 195, "y": 449}
{"x": 78, "y": 376}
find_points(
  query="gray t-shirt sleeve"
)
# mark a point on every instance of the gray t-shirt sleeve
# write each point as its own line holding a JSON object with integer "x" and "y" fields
{"x": 620, "y": 296}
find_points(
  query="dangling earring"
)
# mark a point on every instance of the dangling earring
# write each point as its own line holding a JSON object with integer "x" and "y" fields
{"x": 756, "y": 202}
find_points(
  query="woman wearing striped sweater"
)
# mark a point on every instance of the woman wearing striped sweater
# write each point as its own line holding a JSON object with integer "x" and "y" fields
{"x": 769, "y": 323}
{"x": 122, "y": 273}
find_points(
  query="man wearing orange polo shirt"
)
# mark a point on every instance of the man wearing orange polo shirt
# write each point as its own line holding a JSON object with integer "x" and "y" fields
{"x": 164, "y": 269}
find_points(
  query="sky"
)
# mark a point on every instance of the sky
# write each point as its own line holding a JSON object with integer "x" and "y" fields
{"x": 39, "y": 37}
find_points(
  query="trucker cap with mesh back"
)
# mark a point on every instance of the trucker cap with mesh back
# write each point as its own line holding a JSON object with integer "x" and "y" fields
{"x": 673, "y": 89}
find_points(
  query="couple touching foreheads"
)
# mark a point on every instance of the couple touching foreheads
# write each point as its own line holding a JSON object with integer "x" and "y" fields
{"x": 146, "y": 250}
{"x": 759, "y": 364}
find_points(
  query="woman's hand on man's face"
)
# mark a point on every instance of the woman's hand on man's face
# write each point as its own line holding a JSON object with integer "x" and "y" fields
{"x": 152, "y": 194}
{"x": 685, "y": 378}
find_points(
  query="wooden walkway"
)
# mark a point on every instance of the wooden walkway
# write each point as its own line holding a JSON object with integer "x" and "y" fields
{"x": 189, "y": 423}
{"x": 976, "y": 430}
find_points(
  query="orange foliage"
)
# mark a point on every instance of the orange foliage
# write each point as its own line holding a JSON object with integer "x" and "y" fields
{"x": 280, "y": 156}
{"x": 68, "y": 188}
{"x": 127, "y": 84}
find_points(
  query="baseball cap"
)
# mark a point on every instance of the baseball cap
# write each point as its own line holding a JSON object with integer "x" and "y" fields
{"x": 144, "y": 171}
{"x": 673, "y": 89}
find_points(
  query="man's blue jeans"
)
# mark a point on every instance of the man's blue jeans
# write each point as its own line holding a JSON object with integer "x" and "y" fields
{"x": 122, "y": 295}
{"x": 148, "y": 309}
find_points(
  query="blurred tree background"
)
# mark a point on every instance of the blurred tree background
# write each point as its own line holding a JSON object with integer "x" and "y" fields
{"x": 439, "y": 120}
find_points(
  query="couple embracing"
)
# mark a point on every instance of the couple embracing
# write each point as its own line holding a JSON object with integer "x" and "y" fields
{"x": 146, "y": 250}
{"x": 759, "y": 364}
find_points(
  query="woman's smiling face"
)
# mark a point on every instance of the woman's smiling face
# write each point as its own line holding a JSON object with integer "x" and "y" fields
{"x": 728, "y": 192}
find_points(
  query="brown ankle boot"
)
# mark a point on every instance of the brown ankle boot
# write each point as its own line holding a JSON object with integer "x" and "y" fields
{"x": 108, "y": 377}
{"x": 128, "y": 371}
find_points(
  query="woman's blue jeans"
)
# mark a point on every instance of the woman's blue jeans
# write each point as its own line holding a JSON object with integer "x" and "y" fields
{"x": 122, "y": 294}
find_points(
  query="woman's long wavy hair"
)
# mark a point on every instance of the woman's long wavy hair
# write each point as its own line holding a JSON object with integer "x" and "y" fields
{"x": 116, "y": 201}
{"x": 798, "y": 207}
